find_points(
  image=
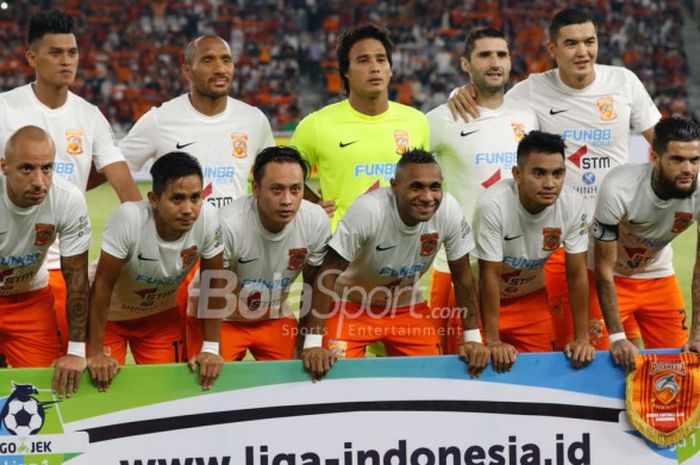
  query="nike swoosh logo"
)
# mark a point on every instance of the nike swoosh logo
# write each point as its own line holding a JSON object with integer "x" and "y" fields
{"x": 182, "y": 146}
{"x": 146, "y": 259}
{"x": 381, "y": 249}
{"x": 343, "y": 145}
{"x": 4, "y": 232}
{"x": 552, "y": 111}
{"x": 242, "y": 262}
{"x": 510, "y": 238}
{"x": 468, "y": 133}
{"x": 635, "y": 222}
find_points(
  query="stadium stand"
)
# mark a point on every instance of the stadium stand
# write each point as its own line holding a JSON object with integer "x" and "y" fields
{"x": 131, "y": 51}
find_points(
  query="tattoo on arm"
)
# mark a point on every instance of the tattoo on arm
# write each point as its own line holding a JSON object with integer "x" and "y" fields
{"x": 695, "y": 292}
{"x": 74, "y": 270}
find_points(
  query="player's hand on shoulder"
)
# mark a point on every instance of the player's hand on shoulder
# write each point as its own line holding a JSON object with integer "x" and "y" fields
{"x": 502, "y": 356}
{"x": 328, "y": 206}
{"x": 580, "y": 351}
{"x": 66, "y": 375}
{"x": 462, "y": 103}
{"x": 624, "y": 354}
{"x": 476, "y": 356}
{"x": 210, "y": 366}
{"x": 103, "y": 369}
{"x": 317, "y": 361}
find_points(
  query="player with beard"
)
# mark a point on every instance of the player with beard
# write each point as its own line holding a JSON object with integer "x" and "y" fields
{"x": 223, "y": 133}
{"x": 640, "y": 210}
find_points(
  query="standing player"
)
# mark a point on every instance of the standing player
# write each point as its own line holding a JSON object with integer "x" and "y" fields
{"x": 356, "y": 143}
{"x": 81, "y": 133}
{"x": 270, "y": 237}
{"x": 223, "y": 133}
{"x": 518, "y": 224}
{"x": 593, "y": 107}
{"x": 35, "y": 207}
{"x": 147, "y": 250}
{"x": 641, "y": 209}
{"x": 477, "y": 154}
{"x": 382, "y": 246}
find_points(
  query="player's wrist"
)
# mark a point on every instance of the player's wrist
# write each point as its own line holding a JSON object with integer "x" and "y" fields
{"x": 617, "y": 337}
{"x": 76, "y": 348}
{"x": 312, "y": 341}
{"x": 210, "y": 347}
{"x": 472, "y": 335}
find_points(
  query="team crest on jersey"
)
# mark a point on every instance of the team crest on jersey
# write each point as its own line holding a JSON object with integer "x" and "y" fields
{"x": 551, "y": 237}
{"x": 297, "y": 258}
{"x": 44, "y": 234}
{"x": 681, "y": 221}
{"x": 428, "y": 244}
{"x": 518, "y": 130}
{"x": 240, "y": 145}
{"x": 74, "y": 141}
{"x": 401, "y": 142}
{"x": 188, "y": 256}
{"x": 606, "y": 107}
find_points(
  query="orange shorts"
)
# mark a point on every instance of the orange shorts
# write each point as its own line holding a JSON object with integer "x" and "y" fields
{"x": 526, "y": 323}
{"x": 349, "y": 330}
{"x": 153, "y": 339}
{"x": 58, "y": 287}
{"x": 656, "y": 309}
{"x": 444, "y": 307}
{"x": 182, "y": 296}
{"x": 267, "y": 340}
{"x": 560, "y": 306}
{"x": 28, "y": 329}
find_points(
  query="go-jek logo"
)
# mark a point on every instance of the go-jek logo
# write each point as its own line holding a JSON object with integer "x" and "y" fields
{"x": 31, "y": 426}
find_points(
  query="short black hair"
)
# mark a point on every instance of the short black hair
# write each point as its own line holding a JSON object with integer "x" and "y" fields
{"x": 481, "y": 33}
{"x": 171, "y": 166}
{"x": 567, "y": 17}
{"x": 673, "y": 129}
{"x": 49, "y": 22}
{"x": 416, "y": 156}
{"x": 278, "y": 154}
{"x": 348, "y": 38}
{"x": 542, "y": 142}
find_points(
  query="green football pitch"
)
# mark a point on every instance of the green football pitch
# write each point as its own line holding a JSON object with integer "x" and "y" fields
{"x": 102, "y": 201}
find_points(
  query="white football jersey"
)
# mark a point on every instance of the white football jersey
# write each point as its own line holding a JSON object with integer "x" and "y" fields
{"x": 387, "y": 258}
{"x": 506, "y": 232}
{"x": 155, "y": 268}
{"x": 27, "y": 233}
{"x": 595, "y": 121}
{"x": 477, "y": 154}
{"x": 225, "y": 144}
{"x": 647, "y": 224}
{"x": 266, "y": 263}
{"x": 80, "y": 132}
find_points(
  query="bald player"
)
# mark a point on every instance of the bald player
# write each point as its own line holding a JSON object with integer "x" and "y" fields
{"x": 80, "y": 132}
{"x": 223, "y": 133}
{"x": 35, "y": 208}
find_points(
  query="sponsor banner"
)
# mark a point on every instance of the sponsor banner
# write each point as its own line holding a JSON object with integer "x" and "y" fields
{"x": 380, "y": 411}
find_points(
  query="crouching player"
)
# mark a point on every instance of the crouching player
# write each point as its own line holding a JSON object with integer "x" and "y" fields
{"x": 270, "y": 237}
{"x": 385, "y": 242}
{"x": 518, "y": 224}
{"x": 148, "y": 248}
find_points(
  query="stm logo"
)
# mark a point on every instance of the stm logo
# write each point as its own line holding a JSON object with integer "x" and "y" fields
{"x": 581, "y": 159}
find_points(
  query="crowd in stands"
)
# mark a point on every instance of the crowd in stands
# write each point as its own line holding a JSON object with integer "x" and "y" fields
{"x": 131, "y": 51}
